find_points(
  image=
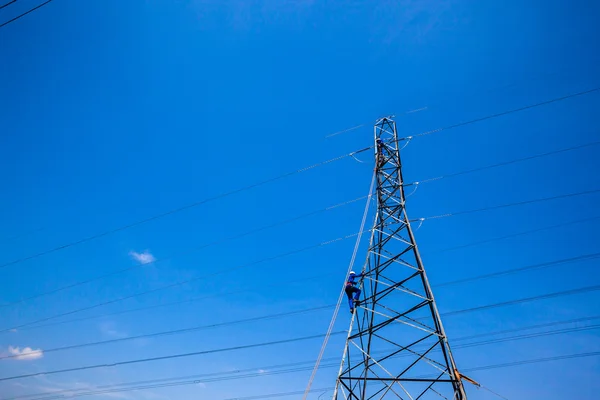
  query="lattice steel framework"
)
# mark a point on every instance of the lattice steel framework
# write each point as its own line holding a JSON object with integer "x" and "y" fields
{"x": 396, "y": 345}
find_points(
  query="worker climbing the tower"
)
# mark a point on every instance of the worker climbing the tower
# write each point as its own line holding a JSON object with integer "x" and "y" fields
{"x": 379, "y": 156}
{"x": 352, "y": 291}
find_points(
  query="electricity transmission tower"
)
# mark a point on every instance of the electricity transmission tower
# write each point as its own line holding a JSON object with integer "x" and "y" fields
{"x": 396, "y": 345}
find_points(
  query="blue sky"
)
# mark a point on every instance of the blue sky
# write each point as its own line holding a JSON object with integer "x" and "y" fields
{"x": 115, "y": 111}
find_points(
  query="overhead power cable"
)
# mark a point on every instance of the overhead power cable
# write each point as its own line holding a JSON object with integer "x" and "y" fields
{"x": 504, "y": 163}
{"x": 545, "y": 228}
{"x": 529, "y": 327}
{"x": 591, "y": 256}
{"x": 345, "y": 130}
{"x": 525, "y": 300}
{"x": 503, "y": 113}
{"x": 473, "y": 369}
{"x": 530, "y": 335}
{"x": 280, "y": 315}
{"x": 535, "y": 361}
{"x": 285, "y": 255}
{"x": 519, "y": 203}
{"x": 172, "y": 285}
{"x": 114, "y": 273}
{"x": 7, "y": 4}
{"x": 408, "y": 184}
{"x": 169, "y": 357}
{"x": 279, "y": 284}
{"x": 124, "y": 227}
{"x": 255, "y": 397}
{"x": 269, "y": 259}
{"x": 180, "y": 209}
{"x": 236, "y": 376}
{"x": 510, "y": 338}
{"x": 178, "y": 302}
{"x": 261, "y": 371}
{"x": 96, "y": 236}
{"x": 174, "y": 332}
{"x": 477, "y": 92}
{"x": 70, "y": 286}
{"x": 205, "y": 377}
{"x": 24, "y": 14}
{"x": 415, "y": 183}
{"x": 540, "y": 76}
{"x": 196, "y": 378}
{"x": 197, "y": 248}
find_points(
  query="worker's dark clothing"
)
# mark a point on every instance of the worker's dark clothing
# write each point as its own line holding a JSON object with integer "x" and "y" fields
{"x": 352, "y": 291}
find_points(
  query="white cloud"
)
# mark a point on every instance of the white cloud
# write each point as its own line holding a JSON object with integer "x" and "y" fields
{"x": 27, "y": 353}
{"x": 143, "y": 258}
{"x": 109, "y": 328}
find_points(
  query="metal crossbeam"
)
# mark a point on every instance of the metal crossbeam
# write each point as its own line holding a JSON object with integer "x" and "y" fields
{"x": 397, "y": 319}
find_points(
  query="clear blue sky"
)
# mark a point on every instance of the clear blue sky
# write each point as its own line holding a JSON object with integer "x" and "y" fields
{"x": 113, "y": 111}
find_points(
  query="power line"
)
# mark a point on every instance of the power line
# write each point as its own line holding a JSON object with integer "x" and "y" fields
{"x": 525, "y": 300}
{"x": 268, "y": 370}
{"x": 519, "y": 203}
{"x": 278, "y": 369}
{"x": 163, "y": 385}
{"x": 124, "y": 227}
{"x": 282, "y": 255}
{"x": 216, "y": 242}
{"x": 516, "y": 234}
{"x": 516, "y": 337}
{"x": 482, "y": 368}
{"x": 175, "y": 332}
{"x": 591, "y": 256}
{"x": 488, "y": 90}
{"x": 345, "y": 130}
{"x": 169, "y": 357}
{"x": 535, "y": 361}
{"x": 529, "y": 336}
{"x": 253, "y": 231}
{"x": 187, "y": 281}
{"x": 297, "y": 218}
{"x": 180, "y": 209}
{"x": 505, "y": 163}
{"x": 545, "y": 296}
{"x": 236, "y": 374}
{"x": 269, "y": 259}
{"x": 293, "y": 281}
{"x": 256, "y": 397}
{"x": 503, "y": 113}
{"x": 24, "y": 14}
{"x": 7, "y": 4}
{"x": 278, "y": 284}
{"x": 280, "y": 315}
{"x": 530, "y": 327}
{"x": 157, "y": 381}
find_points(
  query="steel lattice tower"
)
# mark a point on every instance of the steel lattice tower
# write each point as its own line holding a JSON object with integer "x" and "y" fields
{"x": 396, "y": 345}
